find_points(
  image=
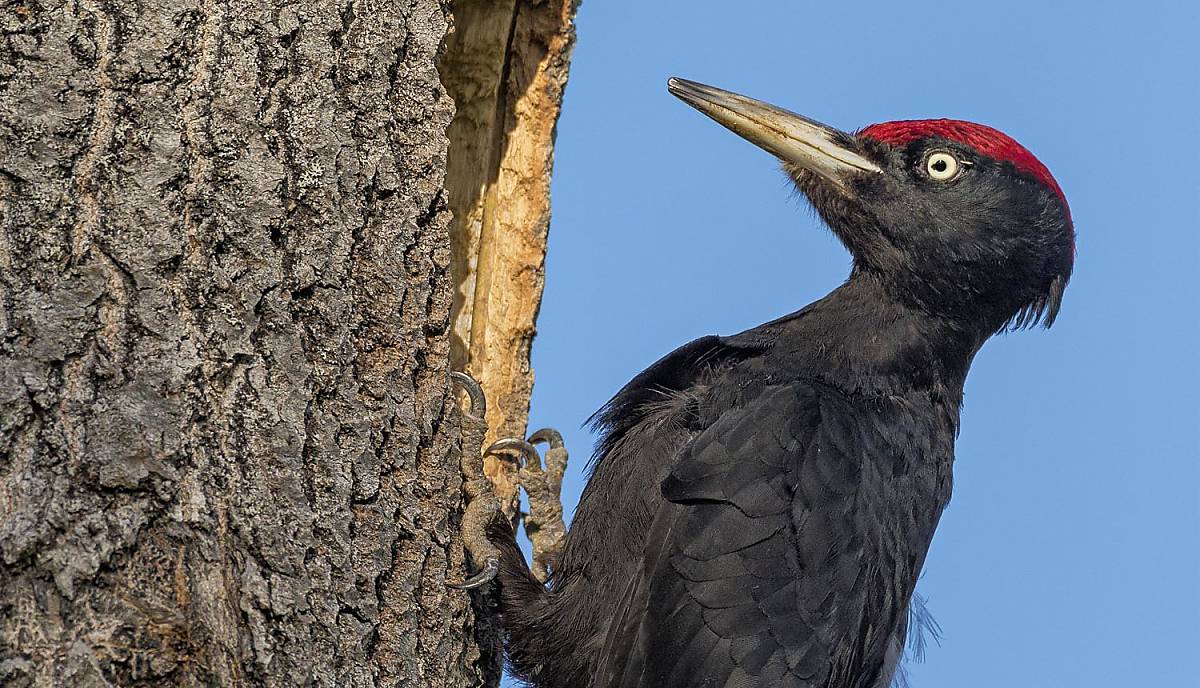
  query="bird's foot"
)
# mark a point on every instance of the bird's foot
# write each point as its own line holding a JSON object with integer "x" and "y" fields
{"x": 541, "y": 477}
{"x": 482, "y": 506}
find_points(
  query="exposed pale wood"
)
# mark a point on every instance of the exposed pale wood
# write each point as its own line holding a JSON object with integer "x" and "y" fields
{"x": 506, "y": 66}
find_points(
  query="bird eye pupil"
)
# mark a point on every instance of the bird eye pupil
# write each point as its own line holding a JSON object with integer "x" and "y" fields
{"x": 939, "y": 165}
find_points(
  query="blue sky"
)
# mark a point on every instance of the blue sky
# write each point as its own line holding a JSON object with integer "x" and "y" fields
{"x": 1070, "y": 554}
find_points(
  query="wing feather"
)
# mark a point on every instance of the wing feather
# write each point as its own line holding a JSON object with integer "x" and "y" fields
{"x": 760, "y": 567}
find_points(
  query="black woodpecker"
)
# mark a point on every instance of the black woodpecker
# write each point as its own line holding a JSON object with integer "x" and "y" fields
{"x": 761, "y": 504}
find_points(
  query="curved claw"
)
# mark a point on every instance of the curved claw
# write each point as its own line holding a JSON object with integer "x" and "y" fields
{"x": 550, "y": 436}
{"x": 528, "y": 452}
{"x": 478, "y": 400}
{"x": 490, "y": 568}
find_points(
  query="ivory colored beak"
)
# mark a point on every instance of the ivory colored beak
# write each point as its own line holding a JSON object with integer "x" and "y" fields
{"x": 790, "y": 137}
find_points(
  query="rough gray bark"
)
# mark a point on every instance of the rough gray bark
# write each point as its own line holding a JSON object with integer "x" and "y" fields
{"x": 228, "y": 446}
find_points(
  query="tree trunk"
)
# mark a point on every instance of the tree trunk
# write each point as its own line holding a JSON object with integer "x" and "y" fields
{"x": 229, "y": 449}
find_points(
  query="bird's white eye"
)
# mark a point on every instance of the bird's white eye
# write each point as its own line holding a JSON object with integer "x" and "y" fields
{"x": 941, "y": 166}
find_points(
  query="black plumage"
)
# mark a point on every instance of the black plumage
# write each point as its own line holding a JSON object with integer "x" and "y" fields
{"x": 761, "y": 505}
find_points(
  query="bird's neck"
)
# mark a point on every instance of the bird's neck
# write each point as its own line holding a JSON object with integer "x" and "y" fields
{"x": 863, "y": 340}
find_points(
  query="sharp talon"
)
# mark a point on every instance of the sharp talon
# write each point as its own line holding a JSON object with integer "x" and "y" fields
{"x": 550, "y": 436}
{"x": 544, "y": 522}
{"x": 490, "y": 568}
{"x": 528, "y": 452}
{"x": 478, "y": 400}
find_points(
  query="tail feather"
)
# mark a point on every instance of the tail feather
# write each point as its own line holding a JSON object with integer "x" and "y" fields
{"x": 525, "y": 606}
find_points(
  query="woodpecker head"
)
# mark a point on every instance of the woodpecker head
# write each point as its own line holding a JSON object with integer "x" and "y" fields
{"x": 955, "y": 218}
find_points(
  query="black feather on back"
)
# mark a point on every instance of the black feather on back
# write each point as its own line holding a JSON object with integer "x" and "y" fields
{"x": 673, "y": 373}
{"x": 779, "y": 557}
